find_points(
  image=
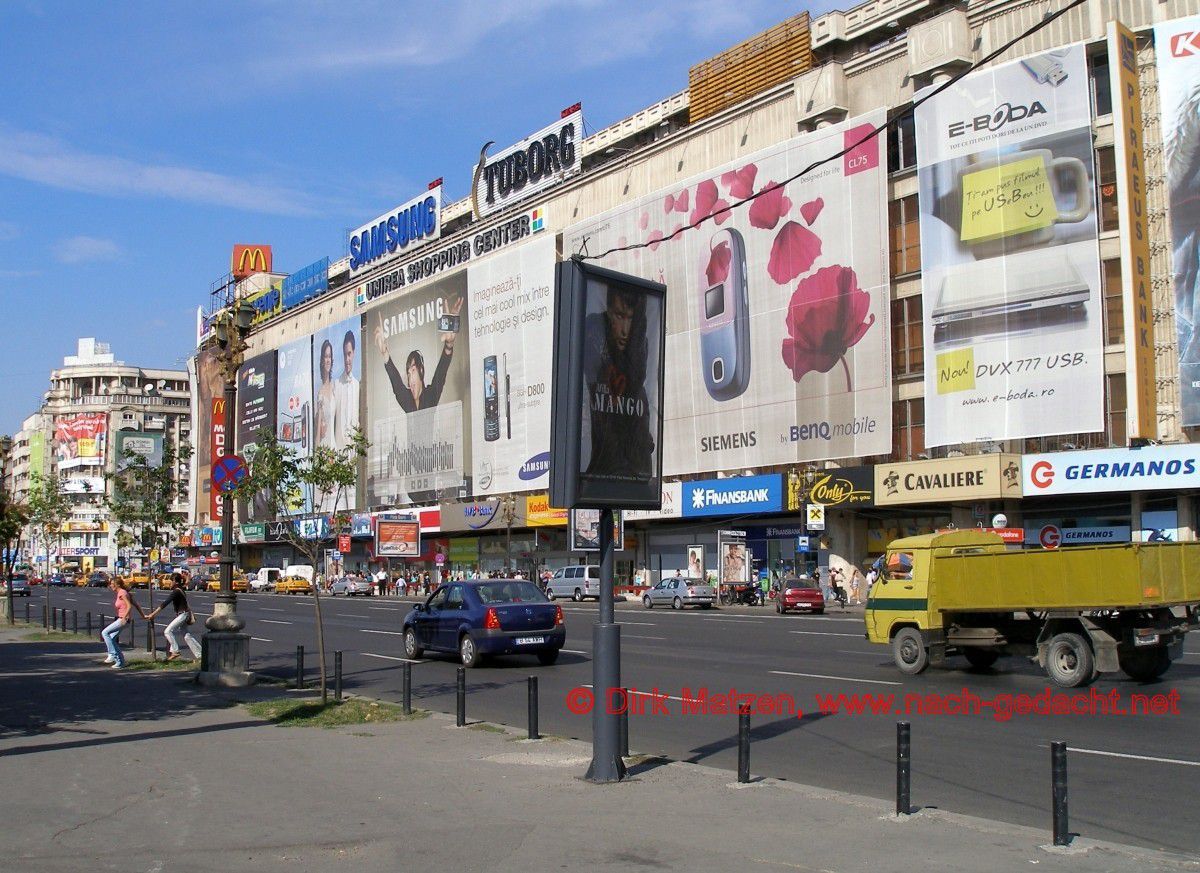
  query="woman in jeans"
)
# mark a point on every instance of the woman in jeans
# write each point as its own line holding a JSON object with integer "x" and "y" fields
{"x": 183, "y": 617}
{"x": 124, "y": 605}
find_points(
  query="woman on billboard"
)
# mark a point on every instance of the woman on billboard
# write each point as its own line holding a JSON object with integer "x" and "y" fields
{"x": 326, "y": 401}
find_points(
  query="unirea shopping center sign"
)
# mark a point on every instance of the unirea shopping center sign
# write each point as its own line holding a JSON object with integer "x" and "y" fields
{"x": 1147, "y": 469}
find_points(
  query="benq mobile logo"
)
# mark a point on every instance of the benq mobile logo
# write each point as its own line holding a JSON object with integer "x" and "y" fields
{"x": 997, "y": 119}
{"x": 1186, "y": 44}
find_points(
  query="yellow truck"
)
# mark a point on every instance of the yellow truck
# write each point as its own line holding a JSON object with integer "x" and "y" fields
{"x": 1077, "y": 611}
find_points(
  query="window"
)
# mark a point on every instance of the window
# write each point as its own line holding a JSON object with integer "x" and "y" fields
{"x": 908, "y": 428}
{"x": 1106, "y": 178}
{"x": 905, "y": 234}
{"x": 902, "y": 144}
{"x": 1115, "y": 404}
{"x": 1100, "y": 84}
{"x": 1114, "y": 302}
{"x": 454, "y": 600}
{"x": 908, "y": 347}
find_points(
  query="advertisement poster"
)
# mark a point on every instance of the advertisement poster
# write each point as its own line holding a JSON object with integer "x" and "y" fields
{"x": 585, "y": 530}
{"x": 735, "y": 566}
{"x": 777, "y": 311}
{"x": 256, "y": 410}
{"x": 1177, "y": 47}
{"x": 80, "y": 440}
{"x": 130, "y": 445}
{"x": 397, "y": 539}
{"x": 337, "y": 382}
{"x": 1010, "y": 264}
{"x": 416, "y": 361}
{"x": 695, "y": 562}
{"x": 511, "y": 301}
{"x": 293, "y": 406}
{"x": 209, "y": 386}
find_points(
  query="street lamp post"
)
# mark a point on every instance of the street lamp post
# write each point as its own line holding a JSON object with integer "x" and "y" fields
{"x": 509, "y": 508}
{"x": 226, "y": 659}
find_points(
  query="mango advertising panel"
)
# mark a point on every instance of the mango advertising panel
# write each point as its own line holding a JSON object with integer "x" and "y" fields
{"x": 777, "y": 310}
{"x": 1013, "y": 319}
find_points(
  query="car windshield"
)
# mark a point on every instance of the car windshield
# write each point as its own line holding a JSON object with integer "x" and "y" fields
{"x": 800, "y": 583}
{"x": 516, "y": 591}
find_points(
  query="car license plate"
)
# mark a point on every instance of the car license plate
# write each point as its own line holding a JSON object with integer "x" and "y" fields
{"x": 530, "y": 641}
{"x": 1140, "y": 640}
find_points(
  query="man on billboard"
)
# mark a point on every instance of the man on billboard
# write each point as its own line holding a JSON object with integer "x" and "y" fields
{"x": 614, "y": 366}
{"x": 410, "y": 391}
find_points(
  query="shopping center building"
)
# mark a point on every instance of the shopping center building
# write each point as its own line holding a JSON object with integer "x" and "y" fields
{"x": 974, "y": 313}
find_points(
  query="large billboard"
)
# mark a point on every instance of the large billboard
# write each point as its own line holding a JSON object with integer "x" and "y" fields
{"x": 80, "y": 440}
{"x": 510, "y": 298}
{"x": 135, "y": 444}
{"x": 534, "y": 164}
{"x": 416, "y": 366}
{"x": 293, "y": 406}
{"x": 1010, "y": 265}
{"x": 337, "y": 380}
{"x": 777, "y": 311}
{"x": 209, "y": 387}
{"x": 256, "y": 410}
{"x": 1177, "y": 47}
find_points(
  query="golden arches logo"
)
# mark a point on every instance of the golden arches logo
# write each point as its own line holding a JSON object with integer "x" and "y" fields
{"x": 249, "y": 259}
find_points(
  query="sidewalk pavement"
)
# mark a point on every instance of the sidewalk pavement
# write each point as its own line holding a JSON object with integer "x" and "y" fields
{"x": 109, "y": 770}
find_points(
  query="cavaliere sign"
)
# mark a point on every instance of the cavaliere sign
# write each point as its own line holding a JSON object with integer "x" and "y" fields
{"x": 1148, "y": 469}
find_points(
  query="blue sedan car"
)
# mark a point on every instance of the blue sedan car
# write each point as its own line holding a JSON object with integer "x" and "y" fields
{"x": 483, "y": 617}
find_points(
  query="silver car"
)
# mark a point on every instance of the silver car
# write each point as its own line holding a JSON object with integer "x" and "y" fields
{"x": 680, "y": 592}
{"x": 350, "y": 586}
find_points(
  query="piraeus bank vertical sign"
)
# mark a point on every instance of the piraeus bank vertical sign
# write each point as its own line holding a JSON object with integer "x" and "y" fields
{"x": 534, "y": 164}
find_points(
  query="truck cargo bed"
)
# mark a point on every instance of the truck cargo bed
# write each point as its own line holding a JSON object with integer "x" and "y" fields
{"x": 1077, "y": 578}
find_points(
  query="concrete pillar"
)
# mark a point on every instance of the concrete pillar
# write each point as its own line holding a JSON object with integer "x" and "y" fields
{"x": 1135, "y": 516}
{"x": 1185, "y": 511}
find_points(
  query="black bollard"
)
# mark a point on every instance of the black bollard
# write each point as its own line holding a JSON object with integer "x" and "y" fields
{"x": 132, "y": 642}
{"x": 74, "y": 621}
{"x": 623, "y": 725}
{"x": 744, "y": 744}
{"x": 533, "y": 709}
{"x": 407, "y": 697}
{"x": 1058, "y": 775}
{"x": 903, "y": 768}
{"x": 337, "y": 675}
{"x": 27, "y": 610}
{"x": 89, "y": 624}
{"x": 45, "y": 617}
{"x": 299, "y": 666}
{"x": 460, "y": 714}
{"x": 150, "y": 637}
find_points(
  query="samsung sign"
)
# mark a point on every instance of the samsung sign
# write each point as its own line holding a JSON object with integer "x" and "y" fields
{"x": 396, "y": 231}
{"x": 738, "y": 496}
{"x": 1111, "y": 470}
{"x": 534, "y": 164}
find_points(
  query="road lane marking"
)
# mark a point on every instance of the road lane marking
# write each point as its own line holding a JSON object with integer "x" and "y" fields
{"x": 392, "y": 658}
{"x": 633, "y": 692}
{"x": 738, "y": 620}
{"x": 386, "y": 608}
{"x": 262, "y": 640}
{"x": 574, "y": 652}
{"x": 1131, "y": 757}
{"x": 826, "y": 634}
{"x": 270, "y": 621}
{"x": 864, "y": 654}
{"x": 635, "y": 637}
{"x": 271, "y": 609}
{"x": 639, "y": 623}
{"x": 835, "y": 678}
{"x": 389, "y": 633}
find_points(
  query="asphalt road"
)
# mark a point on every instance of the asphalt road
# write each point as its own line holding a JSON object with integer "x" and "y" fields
{"x": 1133, "y": 778}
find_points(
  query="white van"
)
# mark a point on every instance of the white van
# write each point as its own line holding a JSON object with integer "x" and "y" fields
{"x": 265, "y": 578}
{"x": 575, "y": 582}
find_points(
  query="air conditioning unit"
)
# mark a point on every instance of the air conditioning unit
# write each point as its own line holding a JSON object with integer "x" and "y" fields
{"x": 941, "y": 43}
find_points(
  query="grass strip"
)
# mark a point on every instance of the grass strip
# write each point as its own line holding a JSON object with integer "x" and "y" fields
{"x": 289, "y": 712}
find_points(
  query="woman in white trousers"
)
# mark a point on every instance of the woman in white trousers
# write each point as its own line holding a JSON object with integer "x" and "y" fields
{"x": 183, "y": 617}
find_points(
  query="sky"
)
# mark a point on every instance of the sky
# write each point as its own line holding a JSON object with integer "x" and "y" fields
{"x": 140, "y": 140}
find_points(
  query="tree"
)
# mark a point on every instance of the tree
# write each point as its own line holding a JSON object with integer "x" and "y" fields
{"x": 283, "y": 479}
{"x": 49, "y": 508}
{"x": 13, "y": 518}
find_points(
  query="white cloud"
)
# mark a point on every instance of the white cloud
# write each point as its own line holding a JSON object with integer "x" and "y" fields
{"x": 82, "y": 249}
{"x": 50, "y": 161}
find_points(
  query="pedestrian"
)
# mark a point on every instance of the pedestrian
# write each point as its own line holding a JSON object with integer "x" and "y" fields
{"x": 182, "y": 620}
{"x": 123, "y": 605}
{"x": 855, "y": 578}
{"x": 380, "y": 576}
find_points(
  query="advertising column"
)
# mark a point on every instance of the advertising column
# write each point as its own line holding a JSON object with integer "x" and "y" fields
{"x": 1177, "y": 47}
{"x": 1009, "y": 256}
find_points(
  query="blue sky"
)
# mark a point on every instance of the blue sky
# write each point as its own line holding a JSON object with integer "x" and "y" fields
{"x": 140, "y": 140}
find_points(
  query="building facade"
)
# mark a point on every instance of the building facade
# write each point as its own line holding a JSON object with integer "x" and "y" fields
{"x": 949, "y": 316}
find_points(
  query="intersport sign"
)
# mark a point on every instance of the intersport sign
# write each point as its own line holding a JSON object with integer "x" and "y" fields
{"x": 1149, "y": 469}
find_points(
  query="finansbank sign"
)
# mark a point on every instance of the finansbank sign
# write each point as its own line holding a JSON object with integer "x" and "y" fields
{"x": 736, "y": 496}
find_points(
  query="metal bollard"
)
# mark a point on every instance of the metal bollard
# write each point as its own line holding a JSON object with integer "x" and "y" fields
{"x": 132, "y": 641}
{"x": 299, "y": 666}
{"x": 903, "y": 768}
{"x": 26, "y": 610}
{"x": 623, "y": 726}
{"x": 744, "y": 744}
{"x": 407, "y": 696}
{"x": 150, "y": 637}
{"x": 460, "y": 713}
{"x": 89, "y": 624}
{"x": 74, "y": 621}
{"x": 533, "y": 709}
{"x": 1058, "y": 776}
{"x": 45, "y": 617}
{"x": 337, "y": 675}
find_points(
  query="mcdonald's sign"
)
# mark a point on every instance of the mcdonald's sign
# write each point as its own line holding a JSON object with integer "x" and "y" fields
{"x": 250, "y": 259}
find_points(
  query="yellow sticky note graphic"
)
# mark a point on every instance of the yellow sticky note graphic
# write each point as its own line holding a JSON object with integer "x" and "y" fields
{"x": 956, "y": 371}
{"x": 1008, "y": 199}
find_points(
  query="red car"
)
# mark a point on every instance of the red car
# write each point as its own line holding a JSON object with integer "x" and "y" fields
{"x": 800, "y": 593}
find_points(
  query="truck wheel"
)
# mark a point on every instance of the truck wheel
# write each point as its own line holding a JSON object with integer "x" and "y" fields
{"x": 909, "y": 651}
{"x": 1069, "y": 660}
{"x": 980, "y": 659}
{"x": 1145, "y": 665}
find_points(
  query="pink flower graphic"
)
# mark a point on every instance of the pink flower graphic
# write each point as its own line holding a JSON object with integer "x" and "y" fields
{"x": 827, "y": 315}
{"x": 668, "y": 203}
{"x": 811, "y": 210}
{"x": 718, "y": 264}
{"x": 644, "y": 221}
{"x": 654, "y": 240}
{"x": 769, "y": 206}
{"x": 740, "y": 182}
{"x": 706, "y": 198}
{"x": 681, "y": 201}
{"x": 793, "y": 252}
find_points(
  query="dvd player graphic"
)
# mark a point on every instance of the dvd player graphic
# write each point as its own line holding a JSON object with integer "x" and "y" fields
{"x": 1002, "y": 294}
